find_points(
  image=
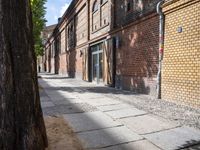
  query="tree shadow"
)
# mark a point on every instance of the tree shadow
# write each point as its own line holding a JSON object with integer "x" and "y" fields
{"x": 88, "y": 128}
{"x": 137, "y": 61}
{"x": 190, "y": 145}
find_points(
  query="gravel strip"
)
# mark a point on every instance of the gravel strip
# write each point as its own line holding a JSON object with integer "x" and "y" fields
{"x": 183, "y": 115}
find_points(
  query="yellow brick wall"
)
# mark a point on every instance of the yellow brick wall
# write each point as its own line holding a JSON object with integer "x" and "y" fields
{"x": 181, "y": 62}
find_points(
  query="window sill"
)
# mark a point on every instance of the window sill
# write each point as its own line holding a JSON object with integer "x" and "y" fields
{"x": 100, "y": 28}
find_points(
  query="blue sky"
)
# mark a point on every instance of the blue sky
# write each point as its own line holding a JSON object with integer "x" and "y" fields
{"x": 55, "y": 9}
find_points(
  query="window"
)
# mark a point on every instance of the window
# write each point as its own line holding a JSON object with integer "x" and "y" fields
{"x": 139, "y": 5}
{"x": 58, "y": 45}
{"x": 71, "y": 28}
{"x": 129, "y": 5}
{"x": 105, "y": 22}
{"x": 103, "y": 1}
{"x": 95, "y": 6}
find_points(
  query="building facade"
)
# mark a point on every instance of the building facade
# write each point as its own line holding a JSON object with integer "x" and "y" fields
{"x": 110, "y": 42}
{"x": 42, "y": 60}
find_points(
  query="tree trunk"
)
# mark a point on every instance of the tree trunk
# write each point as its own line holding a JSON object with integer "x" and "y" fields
{"x": 21, "y": 121}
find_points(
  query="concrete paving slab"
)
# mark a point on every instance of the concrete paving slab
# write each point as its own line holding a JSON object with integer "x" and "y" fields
{"x": 147, "y": 124}
{"x": 44, "y": 98}
{"x": 55, "y": 97}
{"x": 138, "y": 145}
{"x": 89, "y": 121}
{"x": 76, "y": 108}
{"x": 88, "y": 95}
{"x": 67, "y": 94}
{"x": 68, "y": 109}
{"x": 102, "y": 101}
{"x": 113, "y": 107}
{"x": 175, "y": 138}
{"x": 42, "y": 92}
{"x": 68, "y": 101}
{"x": 107, "y": 137}
{"x": 123, "y": 113}
{"x": 47, "y": 104}
{"x": 50, "y": 111}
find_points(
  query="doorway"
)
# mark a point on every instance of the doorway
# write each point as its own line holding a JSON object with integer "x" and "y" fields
{"x": 97, "y": 63}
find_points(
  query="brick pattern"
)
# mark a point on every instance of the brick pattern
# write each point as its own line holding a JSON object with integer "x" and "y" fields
{"x": 181, "y": 64}
{"x": 138, "y": 9}
{"x": 63, "y": 64}
{"x": 137, "y": 58}
{"x": 79, "y": 63}
{"x": 71, "y": 65}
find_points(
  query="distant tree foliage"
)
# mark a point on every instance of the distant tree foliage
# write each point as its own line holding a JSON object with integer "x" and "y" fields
{"x": 38, "y": 15}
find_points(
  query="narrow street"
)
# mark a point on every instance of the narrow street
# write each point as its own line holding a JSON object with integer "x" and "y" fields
{"x": 108, "y": 119}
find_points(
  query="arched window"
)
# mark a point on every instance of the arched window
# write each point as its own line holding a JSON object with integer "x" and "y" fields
{"x": 103, "y": 1}
{"x": 95, "y": 6}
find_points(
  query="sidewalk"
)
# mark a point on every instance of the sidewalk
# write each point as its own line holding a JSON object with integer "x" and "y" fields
{"x": 107, "y": 119}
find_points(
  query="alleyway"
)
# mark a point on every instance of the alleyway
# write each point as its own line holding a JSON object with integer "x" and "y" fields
{"x": 108, "y": 119}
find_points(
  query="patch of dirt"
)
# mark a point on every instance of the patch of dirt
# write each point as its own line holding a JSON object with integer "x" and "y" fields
{"x": 60, "y": 135}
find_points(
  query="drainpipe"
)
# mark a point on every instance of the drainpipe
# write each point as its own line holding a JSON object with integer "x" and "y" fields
{"x": 161, "y": 46}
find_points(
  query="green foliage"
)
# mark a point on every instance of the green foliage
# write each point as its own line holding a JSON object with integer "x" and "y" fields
{"x": 38, "y": 16}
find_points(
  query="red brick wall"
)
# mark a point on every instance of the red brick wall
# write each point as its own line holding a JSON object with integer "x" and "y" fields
{"x": 137, "y": 57}
{"x": 63, "y": 64}
{"x": 79, "y": 64}
{"x": 71, "y": 64}
{"x": 138, "y": 10}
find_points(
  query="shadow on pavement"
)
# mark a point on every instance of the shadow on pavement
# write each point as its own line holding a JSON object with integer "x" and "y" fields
{"x": 90, "y": 125}
{"x": 95, "y": 130}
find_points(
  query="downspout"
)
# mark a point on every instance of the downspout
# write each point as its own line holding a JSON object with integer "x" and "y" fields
{"x": 161, "y": 46}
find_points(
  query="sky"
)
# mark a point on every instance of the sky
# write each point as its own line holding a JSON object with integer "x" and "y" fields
{"x": 55, "y": 9}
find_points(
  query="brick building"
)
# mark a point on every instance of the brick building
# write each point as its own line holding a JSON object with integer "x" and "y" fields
{"x": 46, "y": 33}
{"x": 112, "y": 42}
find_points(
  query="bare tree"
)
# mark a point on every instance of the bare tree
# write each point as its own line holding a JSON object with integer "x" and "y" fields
{"x": 21, "y": 121}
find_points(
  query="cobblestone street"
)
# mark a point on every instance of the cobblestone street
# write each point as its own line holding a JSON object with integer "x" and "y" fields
{"x": 108, "y": 119}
